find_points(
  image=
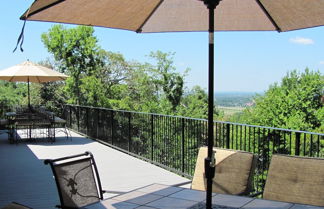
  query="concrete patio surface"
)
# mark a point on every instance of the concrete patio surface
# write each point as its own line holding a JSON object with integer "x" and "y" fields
{"x": 25, "y": 178}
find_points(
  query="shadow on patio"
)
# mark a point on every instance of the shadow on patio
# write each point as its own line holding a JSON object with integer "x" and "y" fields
{"x": 25, "y": 178}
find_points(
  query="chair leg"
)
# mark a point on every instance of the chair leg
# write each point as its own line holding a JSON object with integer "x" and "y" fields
{"x": 67, "y": 132}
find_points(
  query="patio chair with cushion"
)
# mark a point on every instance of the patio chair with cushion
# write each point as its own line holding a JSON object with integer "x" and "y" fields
{"x": 77, "y": 180}
{"x": 233, "y": 175}
{"x": 295, "y": 179}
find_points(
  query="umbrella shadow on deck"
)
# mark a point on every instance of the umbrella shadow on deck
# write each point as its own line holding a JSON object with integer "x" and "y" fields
{"x": 24, "y": 178}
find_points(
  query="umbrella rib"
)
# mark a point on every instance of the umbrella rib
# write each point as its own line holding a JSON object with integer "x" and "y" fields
{"x": 26, "y": 14}
{"x": 139, "y": 30}
{"x": 269, "y": 16}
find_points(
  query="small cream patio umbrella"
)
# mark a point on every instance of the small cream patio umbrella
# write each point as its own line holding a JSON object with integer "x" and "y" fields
{"x": 149, "y": 16}
{"x": 30, "y": 72}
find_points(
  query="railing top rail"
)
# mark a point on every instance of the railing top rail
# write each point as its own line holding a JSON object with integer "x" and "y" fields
{"x": 199, "y": 119}
{"x": 155, "y": 114}
{"x": 266, "y": 127}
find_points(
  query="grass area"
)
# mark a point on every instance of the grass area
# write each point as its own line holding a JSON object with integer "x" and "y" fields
{"x": 228, "y": 111}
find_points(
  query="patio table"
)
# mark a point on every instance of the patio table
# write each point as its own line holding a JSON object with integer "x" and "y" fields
{"x": 170, "y": 197}
{"x": 28, "y": 121}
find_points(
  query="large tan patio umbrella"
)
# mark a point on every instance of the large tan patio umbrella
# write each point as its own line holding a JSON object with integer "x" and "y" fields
{"x": 31, "y": 72}
{"x": 145, "y": 16}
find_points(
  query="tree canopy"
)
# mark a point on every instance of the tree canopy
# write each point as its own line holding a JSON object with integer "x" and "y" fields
{"x": 296, "y": 103}
{"x": 106, "y": 79}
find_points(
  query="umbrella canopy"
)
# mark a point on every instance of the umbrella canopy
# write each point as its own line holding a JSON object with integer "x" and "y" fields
{"x": 31, "y": 72}
{"x": 146, "y": 16}
{"x": 182, "y": 15}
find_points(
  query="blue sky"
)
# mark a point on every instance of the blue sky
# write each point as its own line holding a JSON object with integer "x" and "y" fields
{"x": 244, "y": 61}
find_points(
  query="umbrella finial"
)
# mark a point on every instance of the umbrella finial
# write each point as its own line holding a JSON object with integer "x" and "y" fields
{"x": 211, "y": 4}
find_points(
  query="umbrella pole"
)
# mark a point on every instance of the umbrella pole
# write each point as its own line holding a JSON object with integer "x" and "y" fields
{"x": 28, "y": 94}
{"x": 210, "y": 159}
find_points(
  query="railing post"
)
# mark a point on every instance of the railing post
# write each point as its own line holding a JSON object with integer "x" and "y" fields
{"x": 87, "y": 120}
{"x": 152, "y": 136}
{"x": 297, "y": 145}
{"x": 129, "y": 131}
{"x": 228, "y": 128}
{"x": 112, "y": 127}
{"x": 183, "y": 145}
{"x": 97, "y": 127}
{"x": 78, "y": 117}
{"x": 70, "y": 116}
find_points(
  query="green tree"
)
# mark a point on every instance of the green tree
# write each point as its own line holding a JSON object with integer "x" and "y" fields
{"x": 51, "y": 94}
{"x": 194, "y": 104}
{"x": 168, "y": 79}
{"x": 93, "y": 91}
{"x": 76, "y": 50}
{"x": 13, "y": 93}
{"x": 295, "y": 103}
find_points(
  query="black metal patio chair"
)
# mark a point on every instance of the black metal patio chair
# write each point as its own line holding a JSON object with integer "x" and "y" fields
{"x": 61, "y": 124}
{"x": 77, "y": 180}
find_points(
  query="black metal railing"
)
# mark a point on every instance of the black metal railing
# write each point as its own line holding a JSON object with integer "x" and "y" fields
{"x": 173, "y": 142}
{"x": 4, "y": 109}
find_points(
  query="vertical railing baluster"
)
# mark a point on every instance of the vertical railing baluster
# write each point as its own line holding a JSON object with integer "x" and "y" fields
{"x": 305, "y": 147}
{"x": 297, "y": 144}
{"x": 97, "y": 127}
{"x": 78, "y": 117}
{"x": 70, "y": 116}
{"x": 236, "y": 137}
{"x": 152, "y": 137}
{"x": 129, "y": 132}
{"x": 112, "y": 126}
{"x": 87, "y": 120}
{"x": 228, "y": 127}
{"x": 311, "y": 146}
{"x": 249, "y": 139}
{"x": 183, "y": 145}
{"x": 318, "y": 146}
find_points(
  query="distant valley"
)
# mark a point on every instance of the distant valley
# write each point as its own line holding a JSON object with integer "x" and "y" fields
{"x": 234, "y": 99}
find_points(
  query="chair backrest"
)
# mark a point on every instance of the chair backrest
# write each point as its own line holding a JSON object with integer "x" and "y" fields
{"x": 77, "y": 180}
{"x": 233, "y": 175}
{"x": 295, "y": 179}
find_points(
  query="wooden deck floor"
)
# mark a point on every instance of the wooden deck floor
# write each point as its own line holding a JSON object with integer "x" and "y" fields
{"x": 25, "y": 179}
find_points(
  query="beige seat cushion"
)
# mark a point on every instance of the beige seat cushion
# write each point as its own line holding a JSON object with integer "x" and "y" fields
{"x": 295, "y": 179}
{"x": 234, "y": 171}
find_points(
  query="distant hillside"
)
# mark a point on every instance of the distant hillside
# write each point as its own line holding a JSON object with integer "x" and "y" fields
{"x": 234, "y": 99}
